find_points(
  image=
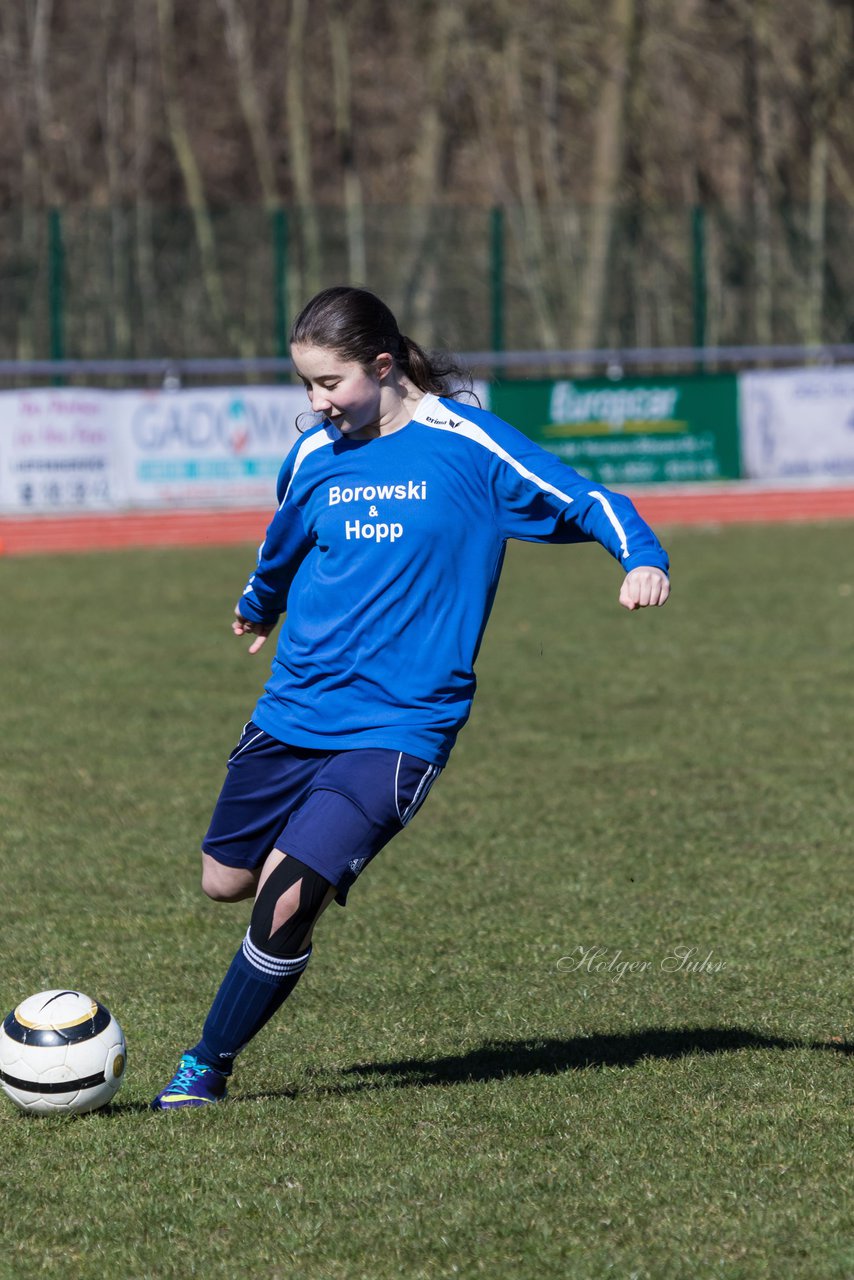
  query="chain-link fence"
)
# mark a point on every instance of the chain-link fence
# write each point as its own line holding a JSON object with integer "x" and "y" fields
{"x": 152, "y": 283}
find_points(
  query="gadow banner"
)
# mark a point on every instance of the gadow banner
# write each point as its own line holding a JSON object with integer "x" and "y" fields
{"x": 66, "y": 450}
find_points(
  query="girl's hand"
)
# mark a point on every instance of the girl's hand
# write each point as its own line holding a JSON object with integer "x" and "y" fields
{"x": 644, "y": 586}
{"x": 242, "y": 626}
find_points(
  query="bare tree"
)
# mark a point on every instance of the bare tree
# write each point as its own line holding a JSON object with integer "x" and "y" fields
{"x": 594, "y": 123}
{"x": 114, "y": 57}
{"x": 143, "y": 95}
{"x": 344, "y": 18}
{"x": 560, "y": 209}
{"x": 193, "y": 181}
{"x": 831, "y": 66}
{"x": 25, "y": 37}
{"x": 40, "y": 18}
{"x": 516, "y": 146}
{"x": 239, "y": 45}
{"x": 426, "y": 163}
{"x": 300, "y": 148}
{"x": 608, "y": 156}
{"x": 756, "y": 52}
{"x": 530, "y": 231}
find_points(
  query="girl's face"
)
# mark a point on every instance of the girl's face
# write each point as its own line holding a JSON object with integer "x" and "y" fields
{"x": 342, "y": 391}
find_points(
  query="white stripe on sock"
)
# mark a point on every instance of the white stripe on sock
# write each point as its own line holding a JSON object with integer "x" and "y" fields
{"x": 275, "y": 966}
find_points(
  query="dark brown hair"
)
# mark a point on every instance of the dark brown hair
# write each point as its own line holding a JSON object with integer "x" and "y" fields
{"x": 358, "y": 326}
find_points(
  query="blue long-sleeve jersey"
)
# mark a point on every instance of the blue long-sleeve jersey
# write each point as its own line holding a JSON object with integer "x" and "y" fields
{"x": 386, "y": 553}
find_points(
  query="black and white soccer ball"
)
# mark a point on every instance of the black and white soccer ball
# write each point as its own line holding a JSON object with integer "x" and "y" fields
{"x": 61, "y": 1052}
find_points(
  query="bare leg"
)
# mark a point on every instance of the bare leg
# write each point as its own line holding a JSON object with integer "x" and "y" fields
{"x": 227, "y": 884}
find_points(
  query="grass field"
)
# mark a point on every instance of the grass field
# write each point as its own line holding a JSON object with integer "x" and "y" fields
{"x": 500, "y": 1062}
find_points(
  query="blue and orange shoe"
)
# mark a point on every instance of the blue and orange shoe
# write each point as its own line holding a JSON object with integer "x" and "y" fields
{"x": 194, "y": 1084}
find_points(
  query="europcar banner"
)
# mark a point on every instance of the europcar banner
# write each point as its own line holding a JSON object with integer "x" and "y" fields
{"x": 58, "y": 451}
{"x": 798, "y": 424}
{"x": 634, "y": 431}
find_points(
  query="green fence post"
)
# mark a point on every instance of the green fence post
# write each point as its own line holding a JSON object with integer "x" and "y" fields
{"x": 56, "y": 286}
{"x": 698, "y": 272}
{"x": 280, "y": 283}
{"x": 497, "y": 282}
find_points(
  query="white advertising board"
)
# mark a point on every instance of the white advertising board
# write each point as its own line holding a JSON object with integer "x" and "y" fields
{"x": 208, "y": 445}
{"x": 798, "y": 424}
{"x": 69, "y": 449}
{"x": 58, "y": 451}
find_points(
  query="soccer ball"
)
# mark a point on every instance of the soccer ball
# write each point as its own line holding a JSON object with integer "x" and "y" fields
{"x": 61, "y": 1053}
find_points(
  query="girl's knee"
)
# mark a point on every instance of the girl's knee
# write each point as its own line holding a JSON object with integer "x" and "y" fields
{"x": 227, "y": 884}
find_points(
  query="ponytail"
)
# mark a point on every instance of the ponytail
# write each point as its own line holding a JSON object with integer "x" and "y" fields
{"x": 434, "y": 371}
{"x": 357, "y": 325}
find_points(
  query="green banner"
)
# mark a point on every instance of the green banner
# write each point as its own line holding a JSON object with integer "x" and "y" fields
{"x": 632, "y": 431}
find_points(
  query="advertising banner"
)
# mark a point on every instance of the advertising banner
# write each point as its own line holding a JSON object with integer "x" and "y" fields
{"x": 58, "y": 451}
{"x": 633, "y": 431}
{"x": 207, "y": 446}
{"x": 67, "y": 450}
{"x": 798, "y": 424}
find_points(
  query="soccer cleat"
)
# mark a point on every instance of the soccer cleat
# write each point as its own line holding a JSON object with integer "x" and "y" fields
{"x": 194, "y": 1084}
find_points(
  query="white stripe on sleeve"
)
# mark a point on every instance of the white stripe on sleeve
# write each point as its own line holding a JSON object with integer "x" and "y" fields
{"x": 440, "y": 417}
{"x": 612, "y": 516}
{"x": 308, "y": 446}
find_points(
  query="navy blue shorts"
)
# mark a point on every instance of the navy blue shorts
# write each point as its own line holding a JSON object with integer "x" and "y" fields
{"x": 333, "y": 810}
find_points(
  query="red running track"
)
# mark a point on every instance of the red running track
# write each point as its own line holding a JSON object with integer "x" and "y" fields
{"x": 714, "y": 506}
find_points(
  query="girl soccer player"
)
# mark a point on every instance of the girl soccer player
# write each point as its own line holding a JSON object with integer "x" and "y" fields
{"x": 385, "y": 552}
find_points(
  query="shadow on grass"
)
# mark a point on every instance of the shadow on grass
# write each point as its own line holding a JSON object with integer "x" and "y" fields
{"x": 499, "y": 1059}
{"x": 504, "y": 1059}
